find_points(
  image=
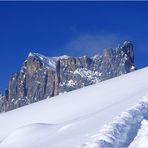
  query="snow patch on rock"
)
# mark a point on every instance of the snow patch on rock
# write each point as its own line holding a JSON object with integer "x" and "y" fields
{"x": 49, "y": 62}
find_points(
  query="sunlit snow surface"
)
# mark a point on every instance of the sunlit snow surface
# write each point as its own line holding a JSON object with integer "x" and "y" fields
{"x": 105, "y": 114}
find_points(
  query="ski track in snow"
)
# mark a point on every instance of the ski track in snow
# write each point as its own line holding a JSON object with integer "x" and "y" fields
{"x": 123, "y": 129}
{"x": 141, "y": 140}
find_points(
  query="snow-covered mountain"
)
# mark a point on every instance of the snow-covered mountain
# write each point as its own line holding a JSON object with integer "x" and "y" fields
{"x": 41, "y": 77}
{"x": 109, "y": 113}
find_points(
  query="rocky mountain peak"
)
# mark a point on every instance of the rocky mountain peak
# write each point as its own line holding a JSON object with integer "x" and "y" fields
{"x": 47, "y": 62}
{"x": 41, "y": 77}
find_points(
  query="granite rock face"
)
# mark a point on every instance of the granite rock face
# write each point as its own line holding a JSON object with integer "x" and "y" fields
{"x": 41, "y": 77}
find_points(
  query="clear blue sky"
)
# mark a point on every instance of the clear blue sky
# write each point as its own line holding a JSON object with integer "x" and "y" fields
{"x": 73, "y": 28}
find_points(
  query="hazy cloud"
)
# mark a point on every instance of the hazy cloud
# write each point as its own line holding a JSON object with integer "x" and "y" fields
{"x": 92, "y": 44}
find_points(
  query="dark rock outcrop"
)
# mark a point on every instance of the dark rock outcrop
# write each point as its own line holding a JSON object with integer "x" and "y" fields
{"x": 41, "y": 77}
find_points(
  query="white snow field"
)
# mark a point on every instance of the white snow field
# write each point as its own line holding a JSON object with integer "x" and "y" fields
{"x": 99, "y": 115}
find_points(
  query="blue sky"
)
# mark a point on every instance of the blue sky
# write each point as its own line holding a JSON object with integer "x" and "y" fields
{"x": 72, "y": 28}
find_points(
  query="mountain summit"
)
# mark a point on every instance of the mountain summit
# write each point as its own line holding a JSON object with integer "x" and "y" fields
{"x": 41, "y": 77}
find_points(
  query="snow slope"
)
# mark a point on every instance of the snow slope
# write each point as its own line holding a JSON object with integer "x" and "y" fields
{"x": 75, "y": 118}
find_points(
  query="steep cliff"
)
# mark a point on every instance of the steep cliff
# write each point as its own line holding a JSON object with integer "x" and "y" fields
{"x": 41, "y": 77}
